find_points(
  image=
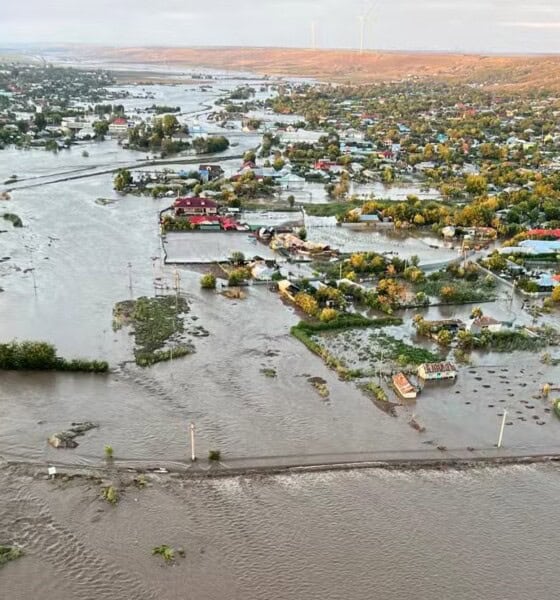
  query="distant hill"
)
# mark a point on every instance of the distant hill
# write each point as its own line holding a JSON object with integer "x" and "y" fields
{"x": 344, "y": 66}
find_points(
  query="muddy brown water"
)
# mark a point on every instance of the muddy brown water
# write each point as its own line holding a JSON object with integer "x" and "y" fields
{"x": 486, "y": 534}
{"x": 81, "y": 251}
{"x": 482, "y": 534}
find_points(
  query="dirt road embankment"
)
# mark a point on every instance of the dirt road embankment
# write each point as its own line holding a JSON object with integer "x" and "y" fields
{"x": 277, "y": 466}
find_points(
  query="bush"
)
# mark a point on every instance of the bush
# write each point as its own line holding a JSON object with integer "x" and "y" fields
{"x": 307, "y": 303}
{"x": 444, "y": 337}
{"x": 208, "y": 281}
{"x": 214, "y": 455}
{"x": 238, "y": 276}
{"x": 164, "y": 551}
{"x": 237, "y": 258}
{"x": 8, "y": 553}
{"x": 328, "y": 314}
{"x": 110, "y": 494}
{"x": 14, "y": 219}
{"x": 41, "y": 356}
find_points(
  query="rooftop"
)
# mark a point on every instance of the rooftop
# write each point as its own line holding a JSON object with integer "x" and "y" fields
{"x": 438, "y": 367}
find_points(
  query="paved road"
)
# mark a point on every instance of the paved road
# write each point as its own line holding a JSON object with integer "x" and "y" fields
{"x": 136, "y": 165}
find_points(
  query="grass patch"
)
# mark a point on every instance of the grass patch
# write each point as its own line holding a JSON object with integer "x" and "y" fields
{"x": 331, "y": 209}
{"x": 320, "y": 385}
{"x": 9, "y": 553}
{"x": 269, "y": 372}
{"x": 304, "y": 330}
{"x": 348, "y": 321}
{"x": 457, "y": 291}
{"x": 41, "y": 356}
{"x": 507, "y": 341}
{"x": 156, "y": 322}
{"x": 379, "y": 397}
{"x": 404, "y": 353}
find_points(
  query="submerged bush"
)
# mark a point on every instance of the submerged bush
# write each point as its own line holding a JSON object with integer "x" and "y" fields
{"x": 110, "y": 494}
{"x": 208, "y": 281}
{"x": 214, "y": 455}
{"x": 164, "y": 551}
{"x": 8, "y": 553}
{"x": 14, "y": 219}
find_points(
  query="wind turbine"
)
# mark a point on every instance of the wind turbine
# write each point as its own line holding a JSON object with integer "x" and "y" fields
{"x": 313, "y": 36}
{"x": 363, "y": 18}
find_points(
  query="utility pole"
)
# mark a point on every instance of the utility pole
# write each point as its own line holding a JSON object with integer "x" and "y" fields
{"x": 177, "y": 280}
{"x": 130, "y": 277}
{"x": 500, "y": 437}
{"x": 362, "y": 24}
{"x": 193, "y": 454}
{"x": 32, "y": 269}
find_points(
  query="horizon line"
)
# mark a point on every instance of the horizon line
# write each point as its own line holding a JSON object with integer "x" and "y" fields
{"x": 365, "y": 51}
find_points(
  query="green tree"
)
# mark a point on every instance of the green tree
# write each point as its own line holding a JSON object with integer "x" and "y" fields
{"x": 476, "y": 313}
{"x": 278, "y": 164}
{"x": 101, "y": 128}
{"x": 40, "y": 121}
{"x": 169, "y": 124}
{"x": 476, "y": 185}
{"x": 249, "y": 156}
{"x": 122, "y": 180}
{"x": 237, "y": 258}
{"x": 387, "y": 175}
{"x": 444, "y": 337}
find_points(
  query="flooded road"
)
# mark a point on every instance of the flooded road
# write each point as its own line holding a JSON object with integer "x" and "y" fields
{"x": 476, "y": 535}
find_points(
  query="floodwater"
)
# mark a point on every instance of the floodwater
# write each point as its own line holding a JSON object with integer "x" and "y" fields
{"x": 483, "y": 534}
{"x": 487, "y": 534}
{"x": 431, "y": 250}
{"x": 75, "y": 258}
{"x": 315, "y": 192}
{"x": 79, "y": 253}
{"x": 208, "y": 247}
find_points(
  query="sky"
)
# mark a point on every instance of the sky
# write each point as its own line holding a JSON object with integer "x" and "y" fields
{"x": 499, "y": 26}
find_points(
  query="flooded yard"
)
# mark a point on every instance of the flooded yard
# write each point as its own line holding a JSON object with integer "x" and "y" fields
{"x": 209, "y": 247}
{"x": 462, "y": 413}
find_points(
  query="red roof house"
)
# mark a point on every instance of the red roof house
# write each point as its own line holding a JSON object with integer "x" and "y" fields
{"x": 195, "y": 206}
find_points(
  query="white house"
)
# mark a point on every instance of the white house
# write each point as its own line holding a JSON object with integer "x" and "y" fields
{"x": 437, "y": 371}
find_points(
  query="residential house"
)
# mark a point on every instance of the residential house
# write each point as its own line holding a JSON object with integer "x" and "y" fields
{"x": 180, "y": 136}
{"x": 451, "y": 325}
{"x": 195, "y": 206}
{"x": 210, "y": 172}
{"x": 437, "y": 371}
{"x": 403, "y": 386}
{"x": 484, "y": 323}
{"x": 119, "y": 127}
